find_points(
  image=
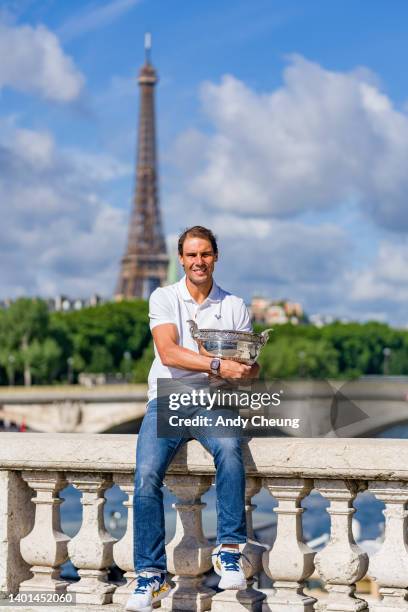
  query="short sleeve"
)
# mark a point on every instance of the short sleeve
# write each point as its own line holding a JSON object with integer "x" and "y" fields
{"x": 243, "y": 318}
{"x": 161, "y": 308}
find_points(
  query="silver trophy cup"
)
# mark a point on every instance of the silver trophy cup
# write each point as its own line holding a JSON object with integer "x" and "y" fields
{"x": 228, "y": 344}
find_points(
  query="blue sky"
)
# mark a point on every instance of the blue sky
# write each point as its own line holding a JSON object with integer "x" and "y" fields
{"x": 282, "y": 125}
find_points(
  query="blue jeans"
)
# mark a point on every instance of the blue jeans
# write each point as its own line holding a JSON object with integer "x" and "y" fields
{"x": 153, "y": 456}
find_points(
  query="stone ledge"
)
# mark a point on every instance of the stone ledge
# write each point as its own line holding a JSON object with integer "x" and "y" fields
{"x": 355, "y": 458}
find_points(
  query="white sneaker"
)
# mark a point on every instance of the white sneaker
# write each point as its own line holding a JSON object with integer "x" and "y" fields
{"x": 228, "y": 565}
{"x": 150, "y": 587}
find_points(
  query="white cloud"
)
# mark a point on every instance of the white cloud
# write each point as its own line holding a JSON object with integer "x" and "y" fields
{"x": 273, "y": 166}
{"x": 379, "y": 289}
{"x": 282, "y": 259}
{"x": 58, "y": 233}
{"x": 321, "y": 139}
{"x": 99, "y": 167}
{"x": 94, "y": 17}
{"x": 274, "y": 257}
{"x": 34, "y": 147}
{"x": 386, "y": 278}
{"x": 32, "y": 61}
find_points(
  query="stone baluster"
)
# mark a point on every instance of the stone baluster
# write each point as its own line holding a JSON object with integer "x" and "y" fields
{"x": 290, "y": 561}
{"x": 189, "y": 553}
{"x": 91, "y": 549}
{"x": 15, "y": 501}
{"x": 123, "y": 549}
{"x": 341, "y": 563}
{"x": 45, "y": 547}
{"x": 248, "y": 599}
{"x": 389, "y": 567}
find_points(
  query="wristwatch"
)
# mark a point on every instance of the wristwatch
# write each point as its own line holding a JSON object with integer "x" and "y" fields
{"x": 215, "y": 366}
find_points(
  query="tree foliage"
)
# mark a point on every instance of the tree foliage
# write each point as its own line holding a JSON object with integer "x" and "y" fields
{"x": 142, "y": 368}
{"x": 104, "y": 338}
{"x": 27, "y": 350}
{"x": 300, "y": 357}
{"x": 107, "y": 338}
{"x": 44, "y": 347}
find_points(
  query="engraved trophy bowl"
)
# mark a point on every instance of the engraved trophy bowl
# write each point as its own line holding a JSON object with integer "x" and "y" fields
{"x": 228, "y": 344}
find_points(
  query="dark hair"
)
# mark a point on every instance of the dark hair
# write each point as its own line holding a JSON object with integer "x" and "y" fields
{"x": 197, "y": 231}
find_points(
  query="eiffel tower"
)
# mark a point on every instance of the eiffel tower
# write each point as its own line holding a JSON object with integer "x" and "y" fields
{"x": 145, "y": 263}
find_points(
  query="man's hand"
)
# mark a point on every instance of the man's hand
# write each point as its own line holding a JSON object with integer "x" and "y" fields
{"x": 173, "y": 355}
{"x": 255, "y": 370}
{"x": 234, "y": 370}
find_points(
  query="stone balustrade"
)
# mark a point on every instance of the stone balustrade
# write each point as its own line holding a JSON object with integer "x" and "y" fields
{"x": 34, "y": 468}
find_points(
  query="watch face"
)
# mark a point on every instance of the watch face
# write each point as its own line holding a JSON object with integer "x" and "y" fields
{"x": 215, "y": 364}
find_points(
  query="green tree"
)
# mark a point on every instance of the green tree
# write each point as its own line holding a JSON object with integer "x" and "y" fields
{"x": 43, "y": 358}
{"x": 104, "y": 338}
{"x": 361, "y": 346}
{"x": 298, "y": 357}
{"x": 142, "y": 367}
{"x": 24, "y": 323}
{"x": 101, "y": 360}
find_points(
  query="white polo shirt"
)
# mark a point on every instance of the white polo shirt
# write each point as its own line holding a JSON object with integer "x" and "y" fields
{"x": 174, "y": 304}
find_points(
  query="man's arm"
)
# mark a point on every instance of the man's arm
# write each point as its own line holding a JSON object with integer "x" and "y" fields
{"x": 173, "y": 355}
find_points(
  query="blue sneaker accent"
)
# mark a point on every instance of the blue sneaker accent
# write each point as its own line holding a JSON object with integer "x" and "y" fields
{"x": 143, "y": 583}
{"x": 150, "y": 588}
{"x": 230, "y": 560}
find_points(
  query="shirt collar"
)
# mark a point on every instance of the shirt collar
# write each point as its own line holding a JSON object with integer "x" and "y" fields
{"x": 213, "y": 296}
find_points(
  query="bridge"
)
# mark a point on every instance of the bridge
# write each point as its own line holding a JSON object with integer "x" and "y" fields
{"x": 335, "y": 409}
{"x": 74, "y": 409}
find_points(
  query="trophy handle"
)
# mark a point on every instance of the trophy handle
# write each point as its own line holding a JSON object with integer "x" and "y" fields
{"x": 265, "y": 335}
{"x": 193, "y": 327}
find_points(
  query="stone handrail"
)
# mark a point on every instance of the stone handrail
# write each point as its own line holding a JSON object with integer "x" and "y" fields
{"x": 33, "y": 547}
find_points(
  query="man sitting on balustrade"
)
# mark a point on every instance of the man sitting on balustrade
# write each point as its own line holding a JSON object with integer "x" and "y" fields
{"x": 195, "y": 297}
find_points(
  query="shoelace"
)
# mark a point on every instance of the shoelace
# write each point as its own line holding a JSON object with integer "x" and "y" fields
{"x": 234, "y": 559}
{"x": 230, "y": 560}
{"x": 143, "y": 583}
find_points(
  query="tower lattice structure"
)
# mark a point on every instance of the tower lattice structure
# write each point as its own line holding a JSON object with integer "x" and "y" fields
{"x": 145, "y": 263}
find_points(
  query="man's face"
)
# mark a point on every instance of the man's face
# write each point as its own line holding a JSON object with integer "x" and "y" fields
{"x": 198, "y": 260}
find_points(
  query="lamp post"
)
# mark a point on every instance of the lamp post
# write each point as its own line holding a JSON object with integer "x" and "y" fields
{"x": 70, "y": 372}
{"x": 127, "y": 365}
{"x": 302, "y": 356}
{"x": 11, "y": 360}
{"x": 386, "y": 363}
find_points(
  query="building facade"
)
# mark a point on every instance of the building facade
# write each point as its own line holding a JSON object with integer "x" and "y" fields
{"x": 270, "y": 312}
